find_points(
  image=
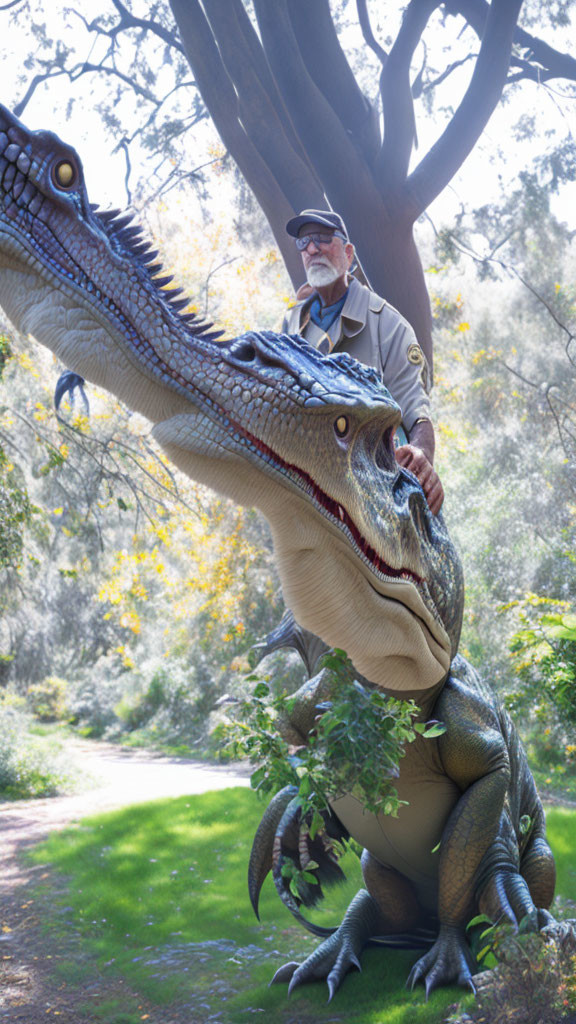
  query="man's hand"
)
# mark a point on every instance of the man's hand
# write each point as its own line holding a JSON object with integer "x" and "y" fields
{"x": 414, "y": 459}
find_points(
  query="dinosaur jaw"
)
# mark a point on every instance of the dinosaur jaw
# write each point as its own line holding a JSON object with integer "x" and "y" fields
{"x": 393, "y": 638}
{"x": 383, "y": 624}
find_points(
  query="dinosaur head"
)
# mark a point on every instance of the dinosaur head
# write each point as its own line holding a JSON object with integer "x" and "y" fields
{"x": 264, "y": 418}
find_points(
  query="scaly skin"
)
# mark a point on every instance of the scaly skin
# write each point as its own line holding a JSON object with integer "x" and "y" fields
{"x": 364, "y": 565}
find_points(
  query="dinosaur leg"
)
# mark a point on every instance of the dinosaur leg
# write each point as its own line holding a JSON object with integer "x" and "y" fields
{"x": 515, "y": 888}
{"x": 474, "y": 755}
{"x": 387, "y": 906}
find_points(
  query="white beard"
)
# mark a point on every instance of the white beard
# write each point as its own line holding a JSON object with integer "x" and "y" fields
{"x": 320, "y": 274}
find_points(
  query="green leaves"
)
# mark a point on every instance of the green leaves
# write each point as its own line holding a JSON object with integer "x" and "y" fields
{"x": 543, "y": 651}
{"x": 16, "y": 512}
{"x": 357, "y": 743}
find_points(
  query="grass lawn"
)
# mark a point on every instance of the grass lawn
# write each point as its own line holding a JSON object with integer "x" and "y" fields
{"x": 159, "y": 894}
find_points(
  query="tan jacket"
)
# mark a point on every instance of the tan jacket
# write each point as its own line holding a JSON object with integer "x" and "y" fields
{"x": 375, "y": 333}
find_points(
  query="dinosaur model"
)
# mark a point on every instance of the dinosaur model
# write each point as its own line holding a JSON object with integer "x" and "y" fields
{"x": 307, "y": 439}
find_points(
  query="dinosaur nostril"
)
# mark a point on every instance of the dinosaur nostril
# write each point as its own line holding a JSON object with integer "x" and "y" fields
{"x": 244, "y": 351}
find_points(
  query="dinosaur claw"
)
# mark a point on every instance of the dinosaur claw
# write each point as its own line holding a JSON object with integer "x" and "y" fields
{"x": 284, "y": 973}
{"x": 67, "y": 384}
{"x": 447, "y": 962}
{"x": 468, "y": 983}
{"x": 356, "y": 963}
{"x": 297, "y": 979}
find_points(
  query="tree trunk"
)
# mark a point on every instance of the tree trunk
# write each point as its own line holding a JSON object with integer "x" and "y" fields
{"x": 304, "y": 135}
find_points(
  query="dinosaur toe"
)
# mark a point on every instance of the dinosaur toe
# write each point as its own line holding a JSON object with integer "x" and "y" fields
{"x": 285, "y": 972}
{"x": 448, "y": 962}
{"x": 536, "y": 920}
{"x": 331, "y": 962}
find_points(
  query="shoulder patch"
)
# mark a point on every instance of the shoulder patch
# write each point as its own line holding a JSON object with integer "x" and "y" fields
{"x": 415, "y": 354}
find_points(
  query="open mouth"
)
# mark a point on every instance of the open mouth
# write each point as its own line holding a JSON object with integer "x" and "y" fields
{"x": 331, "y": 508}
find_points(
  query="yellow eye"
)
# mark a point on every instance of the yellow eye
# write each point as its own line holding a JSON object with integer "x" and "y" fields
{"x": 341, "y": 426}
{"x": 64, "y": 174}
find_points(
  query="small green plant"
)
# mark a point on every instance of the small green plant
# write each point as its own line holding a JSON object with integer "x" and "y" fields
{"x": 356, "y": 746}
{"x": 29, "y": 766}
{"x": 47, "y": 700}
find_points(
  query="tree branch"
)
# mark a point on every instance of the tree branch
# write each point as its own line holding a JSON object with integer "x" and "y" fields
{"x": 448, "y": 71}
{"x": 457, "y": 141}
{"x": 128, "y": 21}
{"x": 398, "y": 106}
{"x": 219, "y": 96}
{"x": 36, "y": 81}
{"x": 336, "y": 159}
{"x": 369, "y": 37}
{"x": 264, "y": 73}
{"x": 559, "y": 65}
{"x": 314, "y": 30}
{"x": 256, "y": 110}
{"x": 76, "y": 72}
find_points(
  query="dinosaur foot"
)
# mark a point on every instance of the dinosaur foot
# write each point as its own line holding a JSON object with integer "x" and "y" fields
{"x": 449, "y": 962}
{"x": 331, "y": 961}
{"x": 506, "y": 899}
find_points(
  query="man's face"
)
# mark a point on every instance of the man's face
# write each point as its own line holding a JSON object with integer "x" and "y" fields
{"x": 325, "y": 264}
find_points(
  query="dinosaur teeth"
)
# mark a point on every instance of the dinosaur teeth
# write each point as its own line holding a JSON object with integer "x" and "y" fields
{"x": 129, "y": 234}
{"x": 108, "y": 215}
{"x": 341, "y": 513}
{"x": 121, "y": 223}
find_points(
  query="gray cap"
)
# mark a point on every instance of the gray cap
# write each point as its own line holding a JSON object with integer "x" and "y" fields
{"x": 325, "y": 218}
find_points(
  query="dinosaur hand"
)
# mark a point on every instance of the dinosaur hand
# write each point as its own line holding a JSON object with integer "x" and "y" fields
{"x": 449, "y": 962}
{"x": 332, "y": 961}
{"x": 414, "y": 459}
{"x": 66, "y": 384}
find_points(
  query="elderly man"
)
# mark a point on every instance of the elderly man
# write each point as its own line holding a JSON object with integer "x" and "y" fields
{"x": 340, "y": 313}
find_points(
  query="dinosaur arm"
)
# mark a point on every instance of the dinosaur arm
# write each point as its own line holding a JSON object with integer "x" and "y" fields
{"x": 475, "y": 756}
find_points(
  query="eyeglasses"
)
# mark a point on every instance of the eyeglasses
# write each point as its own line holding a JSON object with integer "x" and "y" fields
{"x": 319, "y": 238}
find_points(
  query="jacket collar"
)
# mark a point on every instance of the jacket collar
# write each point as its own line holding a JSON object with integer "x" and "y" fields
{"x": 359, "y": 302}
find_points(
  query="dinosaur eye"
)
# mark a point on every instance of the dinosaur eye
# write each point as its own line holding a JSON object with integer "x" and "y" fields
{"x": 64, "y": 174}
{"x": 341, "y": 426}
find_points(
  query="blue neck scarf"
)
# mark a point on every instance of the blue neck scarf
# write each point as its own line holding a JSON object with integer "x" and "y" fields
{"x": 324, "y": 316}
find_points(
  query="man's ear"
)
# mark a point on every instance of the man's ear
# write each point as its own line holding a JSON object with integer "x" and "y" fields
{"x": 349, "y": 250}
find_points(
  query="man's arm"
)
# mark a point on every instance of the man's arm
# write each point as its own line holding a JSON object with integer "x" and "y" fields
{"x": 418, "y": 457}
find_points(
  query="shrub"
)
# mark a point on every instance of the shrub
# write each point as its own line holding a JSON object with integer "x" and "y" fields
{"x": 29, "y": 766}
{"x": 137, "y": 712}
{"x": 533, "y": 980}
{"x": 48, "y": 700}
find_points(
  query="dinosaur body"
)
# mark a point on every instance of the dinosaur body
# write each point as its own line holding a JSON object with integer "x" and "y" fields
{"x": 269, "y": 422}
{"x": 471, "y": 840}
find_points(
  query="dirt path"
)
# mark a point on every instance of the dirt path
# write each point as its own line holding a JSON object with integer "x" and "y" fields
{"x": 29, "y": 989}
